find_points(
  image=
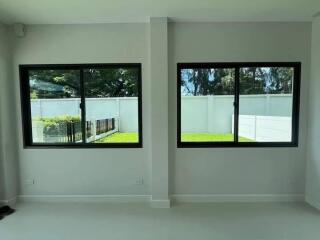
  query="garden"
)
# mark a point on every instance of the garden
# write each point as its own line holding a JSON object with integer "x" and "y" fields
{"x": 68, "y": 129}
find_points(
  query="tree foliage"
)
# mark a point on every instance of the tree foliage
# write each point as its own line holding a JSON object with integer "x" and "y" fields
{"x": 253, "y": 80}
{"x": 199, "y": 82}
{"x": 111, "y": 82}
{"x": 54, "y": 83}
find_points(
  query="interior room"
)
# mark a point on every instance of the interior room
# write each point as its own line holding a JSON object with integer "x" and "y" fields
{"x": 159, "y": 119}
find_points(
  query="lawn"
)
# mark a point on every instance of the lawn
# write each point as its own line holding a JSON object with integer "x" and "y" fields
{"x": 186, "y": 137}
{"x": 209, "y": 137}
{"x": 119, "y": 137}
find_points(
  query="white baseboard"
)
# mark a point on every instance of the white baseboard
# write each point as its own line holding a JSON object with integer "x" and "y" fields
{"x": 312, "y": 202}
{"x": 220, "y": 198}
{"x": 85, "y": 198}
{"x": 160, "y": 203}
{"x": 10, "y": 202}
{"x": 96, "y": 198}
{"x": 166, "y": 203}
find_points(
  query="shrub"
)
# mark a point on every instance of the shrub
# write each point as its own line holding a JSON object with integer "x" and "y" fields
{"x": 57, "y": 126}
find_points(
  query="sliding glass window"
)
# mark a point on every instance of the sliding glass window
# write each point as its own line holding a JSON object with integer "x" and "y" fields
{"x": 238, "y": 104}
{"x": 94, "y": 105}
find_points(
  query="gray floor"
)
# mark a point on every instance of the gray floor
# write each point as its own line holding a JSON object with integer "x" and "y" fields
{"x": 107, "y": 221}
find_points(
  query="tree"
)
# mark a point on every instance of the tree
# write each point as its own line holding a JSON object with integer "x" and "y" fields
{"x": 110, "y": 82}
{"x": 54, "y": 83}
{"x": 253, "y": 80}
{"x": 280, "y": 80}
{"x": 201, "y": 82}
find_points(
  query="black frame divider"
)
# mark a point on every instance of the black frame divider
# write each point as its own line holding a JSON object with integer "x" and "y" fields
{"x": 236, "y": 104}
{"x": 83, "y": 108}
{"x": 26, "y": 105}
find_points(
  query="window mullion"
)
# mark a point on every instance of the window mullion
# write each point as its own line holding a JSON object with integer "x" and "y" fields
{"x": 236, "y": 104}
{"x": 83, "y": 107}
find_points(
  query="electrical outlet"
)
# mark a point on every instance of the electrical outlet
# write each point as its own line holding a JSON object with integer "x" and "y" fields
{"x": 29, "y": 182}
{"x": 139, "y": 181}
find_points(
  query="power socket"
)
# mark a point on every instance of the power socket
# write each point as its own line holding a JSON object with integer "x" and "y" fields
{"x": 29, "y": 182}
{"x": 139, "y": 181}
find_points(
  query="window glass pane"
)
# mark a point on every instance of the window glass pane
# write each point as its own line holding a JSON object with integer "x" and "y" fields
{"x": 207, "y": 97}
{"x": 55, "y": 112}
{"x": 265, "y": 113}
{"x": 112, "y": 105}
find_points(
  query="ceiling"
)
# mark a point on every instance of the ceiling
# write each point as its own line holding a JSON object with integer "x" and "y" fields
{"x": 104, "y": 11}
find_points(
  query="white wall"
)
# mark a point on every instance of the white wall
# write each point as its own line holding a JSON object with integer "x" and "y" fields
{"x": 159, "y": 111}
{"x": 125, "y": 108}
{"x": 3, "y": 79}
{"x": 200, "y": 113}
{"x": 192, "y": 171}
{"x": 8, "y": 159}
{"x": 227, "y": 170}
{"x": 84, "y": 171}
{"x": 313, "y": 166}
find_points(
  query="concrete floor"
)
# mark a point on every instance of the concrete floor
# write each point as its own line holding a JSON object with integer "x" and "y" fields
{"x": 107, "y": 221}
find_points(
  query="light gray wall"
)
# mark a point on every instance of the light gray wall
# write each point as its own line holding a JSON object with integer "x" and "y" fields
{"x": 3, "y": 78}
{"x": 8, "y": 159}
{"x": 159, "y": 110}
{"x": 313, "y": 166}
{"x": 192, "y": 171}
{"x": 84, "y": 171}
{"x": 227, "y": 170}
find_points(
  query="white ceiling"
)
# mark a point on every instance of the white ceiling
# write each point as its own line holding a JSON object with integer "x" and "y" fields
{"x": 103, "y": 11}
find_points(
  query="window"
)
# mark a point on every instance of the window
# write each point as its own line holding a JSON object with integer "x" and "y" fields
{"x": 238, "y": 104}
{"x": 94, "y": 105}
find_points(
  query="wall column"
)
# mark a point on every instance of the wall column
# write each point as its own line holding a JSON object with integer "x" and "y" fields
{"x": 159, "y": 111}
{"x": 9, "y": 180}
{"x": 313, "y": 152}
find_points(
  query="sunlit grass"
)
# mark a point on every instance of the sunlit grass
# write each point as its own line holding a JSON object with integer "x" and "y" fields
{"x": 120, "y": 137}
{"x": 209, "y": 137}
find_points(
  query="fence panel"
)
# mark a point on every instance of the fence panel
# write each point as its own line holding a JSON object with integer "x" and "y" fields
{"x": 194, "y": 114}
{"x": 125, "y": 109}
{"x": 198, "y": 113}
{"x": 265, "y": 128}
{"x": 247, "y": 126}
{"x": 212, "y": 114}
{"x": 273, "y": 129}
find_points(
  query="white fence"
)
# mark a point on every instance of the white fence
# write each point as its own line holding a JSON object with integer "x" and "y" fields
{"x": 265, "y": 128}
{"x": 124, "y": 108}
{"x": 212, "y": 114}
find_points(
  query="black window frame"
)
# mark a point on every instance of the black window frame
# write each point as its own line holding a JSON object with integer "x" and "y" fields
{"x": 237, "y": 65}
{"x": 26, "y": 104}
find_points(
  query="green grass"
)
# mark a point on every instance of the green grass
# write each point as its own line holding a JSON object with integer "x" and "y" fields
{"x": 119, "y": 137}
{"x": 209, "y": 137}
{"x": 186, "y": 137}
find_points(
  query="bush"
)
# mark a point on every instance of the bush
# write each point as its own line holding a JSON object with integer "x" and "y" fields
{"x": 57, "y": 126}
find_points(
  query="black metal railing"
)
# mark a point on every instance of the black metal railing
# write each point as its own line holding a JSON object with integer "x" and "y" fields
{"x": 105, "y": 125}
{"x": 88, "y": 129}
{"x": 74, "y": 133}
{"x": 70, "y": 132}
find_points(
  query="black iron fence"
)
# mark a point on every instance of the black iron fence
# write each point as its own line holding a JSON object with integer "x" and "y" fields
{"x": 74, "y": 133}
{"x": 63, "y": 131}
{"x": 70, "y": 131}
{"x": 105, "y": 125}
{"x": 88, "y": 129}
